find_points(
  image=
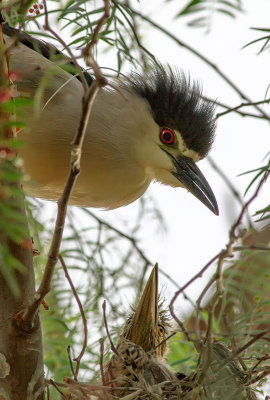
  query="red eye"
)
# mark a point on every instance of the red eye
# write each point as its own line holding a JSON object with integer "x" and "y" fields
{"x": 166, "y": 136}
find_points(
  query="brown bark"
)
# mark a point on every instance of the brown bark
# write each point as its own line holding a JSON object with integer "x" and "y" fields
{"x": 21, "y": 355}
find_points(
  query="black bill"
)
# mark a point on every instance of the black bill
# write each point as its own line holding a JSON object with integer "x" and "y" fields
{"x": 191, "y": 177}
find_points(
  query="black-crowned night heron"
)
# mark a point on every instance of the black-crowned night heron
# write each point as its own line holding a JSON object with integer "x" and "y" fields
{"x": 144, "y": 127}
{"x": 142, "y": 346}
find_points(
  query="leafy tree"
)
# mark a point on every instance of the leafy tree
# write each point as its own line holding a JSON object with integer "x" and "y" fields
{"x": 104, "y": 258}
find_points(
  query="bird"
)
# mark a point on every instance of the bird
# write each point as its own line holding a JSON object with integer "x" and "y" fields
{"x": 139, "y": 363}
{"x": 143, "y": 127}
{"x": 142, "y": 345}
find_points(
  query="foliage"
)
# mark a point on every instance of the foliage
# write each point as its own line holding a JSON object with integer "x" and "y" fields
{"x": 264, "y": 213}
{"x": 106, "y": 260}
{"x": 182, "y": 355}
{"x": 12, "y": 222}
{"x": 80, "y": 18}
{"x": 199, "y": 13}
{"x": 265, "y": 39}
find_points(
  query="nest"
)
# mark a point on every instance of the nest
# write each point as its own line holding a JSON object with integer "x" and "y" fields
{"x": 215, "y": 385}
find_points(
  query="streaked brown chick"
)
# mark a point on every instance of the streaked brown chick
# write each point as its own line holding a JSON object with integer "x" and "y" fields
{"x": 142, "y": 345}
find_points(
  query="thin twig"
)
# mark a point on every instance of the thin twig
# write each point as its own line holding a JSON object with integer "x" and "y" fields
{"x": 101, "y": 342}
{"x": 230, "y": 185}
{"x": 70, "y": 362}
{"x": 48, "y": 392}
{"x": 248, "y": 104}
{"x": 233, "y": 235}
{"x": 85, "y": 332}
{"x": 135, "y": 245}
{"x": 178, "y": 292}
{"x": 181, "y": 325}
{"x": 217, "y": 296}
{"x": 241, "y": 113}
{"x": 228, "y": 252}
{"x": 87, "y": 103}
{"x": 198, "y": 309}
{"x": 246, "y": 346}
{"x": 233, "y": 341}
{"x": 45, "y": 285}
{"x": 202, "y": 57}
{"x": 83, "y": 385}
{"x": 87, "y": 52}
{"x": 113, "y": 348}
{"x": 55, "y": 385}
{"x": 218, "y": 278}
{"x": 259, "y": 377}
{"x": 134, "y": 32}
{"x": 65, "y": 46}
{"x": 162, "y": 342}
{"x": 264, "y": 358}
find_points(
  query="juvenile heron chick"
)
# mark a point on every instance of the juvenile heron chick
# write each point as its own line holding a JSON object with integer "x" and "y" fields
{"x": 142, "y": 345}
{"x": 145, "y": 127}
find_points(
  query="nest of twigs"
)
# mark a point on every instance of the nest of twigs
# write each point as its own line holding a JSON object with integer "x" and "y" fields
{"x": 218, "y": 382}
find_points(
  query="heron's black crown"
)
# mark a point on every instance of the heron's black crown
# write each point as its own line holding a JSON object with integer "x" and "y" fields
{"x": 176, "y": 103}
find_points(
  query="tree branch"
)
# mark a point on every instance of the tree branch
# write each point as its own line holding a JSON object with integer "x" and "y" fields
{"x": 226, "y": 253}
{"x": 18, "y": 348}
{"x": 203, "y": 58}
{"x": 241, "y": 113}
{"x": 75, "y": 294}
{"x": 249, "y": 104}
{"x": 87, "y": 103}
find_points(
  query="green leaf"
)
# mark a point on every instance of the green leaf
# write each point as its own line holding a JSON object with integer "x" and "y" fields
{"x": 11, "y": 176}
{"x": 198, "y": 22}
{"x": 256, "y": 41}
{"x": 261, "y": 29}
{"x": 229, "y": 13}
{"x": 193, "y": 6}
{"x": 263, "y": 210}
{"x": 231, "y": 5}
{"x": 42, "y": 34}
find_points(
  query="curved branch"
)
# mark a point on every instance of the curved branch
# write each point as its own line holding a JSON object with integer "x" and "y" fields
{"x": 249, "y": 104}
{"x": 202, "y": 57}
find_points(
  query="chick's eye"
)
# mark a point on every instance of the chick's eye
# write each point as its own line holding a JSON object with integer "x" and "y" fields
{"x": 166, "y": 136}
{"x": 161, "y": 330}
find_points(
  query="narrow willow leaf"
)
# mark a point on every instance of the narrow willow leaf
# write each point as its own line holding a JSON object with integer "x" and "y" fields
{"x": 231, "y": 5}
{"x": 256, "y": 41}
{"x": 226, "y": 12}
{"x": 193, "y": 6}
